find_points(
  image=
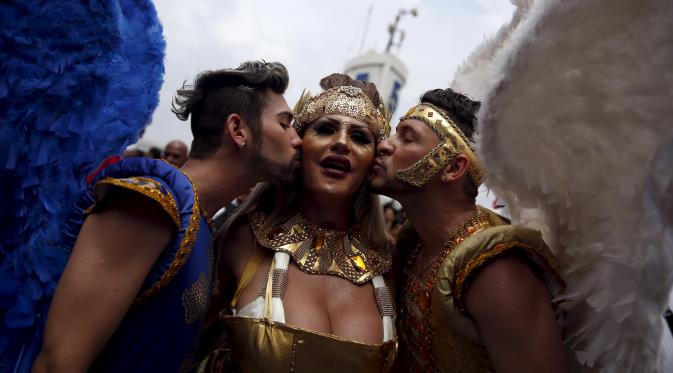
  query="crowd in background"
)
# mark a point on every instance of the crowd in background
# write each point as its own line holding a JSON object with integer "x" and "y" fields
{"x": 394, "y": 218}
{"x": 175, "y": 152}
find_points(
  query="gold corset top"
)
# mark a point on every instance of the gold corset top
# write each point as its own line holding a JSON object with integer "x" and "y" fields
{"x": 260, "y": 345}
{"x": 267, "y": 344}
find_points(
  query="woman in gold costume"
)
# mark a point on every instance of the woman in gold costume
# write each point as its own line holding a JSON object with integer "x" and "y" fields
{"x": 308, "y": 260}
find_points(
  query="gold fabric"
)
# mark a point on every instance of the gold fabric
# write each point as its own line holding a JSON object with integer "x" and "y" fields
{"x": 453, "y": 142}
{"x": 437, "y": 332}
{"x": 195, "y": 299}
{"x": 248, "y": 273}
{"x": 259, "y": 345}
{"x": 322, "y": 251}
{"x": 344, "y": 100}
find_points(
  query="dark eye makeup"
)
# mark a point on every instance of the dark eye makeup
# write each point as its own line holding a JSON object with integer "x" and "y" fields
{"x": 327, "y": 127}
{"x": 361, "y": 137}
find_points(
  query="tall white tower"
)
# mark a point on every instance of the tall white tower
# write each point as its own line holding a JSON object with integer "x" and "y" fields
{"x": 384, "y": 69}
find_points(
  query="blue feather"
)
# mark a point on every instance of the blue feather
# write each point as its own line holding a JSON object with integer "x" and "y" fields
{"x": 79, "y": 80}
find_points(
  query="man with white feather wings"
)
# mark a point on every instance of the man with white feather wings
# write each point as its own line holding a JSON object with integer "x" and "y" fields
{"x": 575, "y": 133}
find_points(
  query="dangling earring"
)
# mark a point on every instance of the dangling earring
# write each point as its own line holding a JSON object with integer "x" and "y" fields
{"x": 444, "y": 178}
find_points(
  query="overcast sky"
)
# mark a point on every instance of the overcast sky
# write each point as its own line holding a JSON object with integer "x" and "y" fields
{"x": 313, "y": 39}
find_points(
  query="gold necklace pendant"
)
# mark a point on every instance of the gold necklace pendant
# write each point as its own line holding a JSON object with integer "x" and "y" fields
{"x": 322, "y": 251}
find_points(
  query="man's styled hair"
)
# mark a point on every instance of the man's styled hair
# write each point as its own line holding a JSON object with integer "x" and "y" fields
{"x": 215, "y": 95}
{"x": 460, "y": 108}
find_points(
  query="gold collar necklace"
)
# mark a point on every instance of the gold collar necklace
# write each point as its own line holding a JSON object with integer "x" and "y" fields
{"x": 322, "y": 251}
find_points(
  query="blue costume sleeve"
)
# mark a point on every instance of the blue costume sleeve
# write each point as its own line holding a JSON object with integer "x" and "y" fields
{"x": 79, "y": 80}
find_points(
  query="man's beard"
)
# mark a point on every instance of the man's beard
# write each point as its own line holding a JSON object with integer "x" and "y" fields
{"x": 274, "y": 172}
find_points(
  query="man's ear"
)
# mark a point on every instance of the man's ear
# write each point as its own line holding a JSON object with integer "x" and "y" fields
{"x": 456, "y": 169}
{"x": 237, "y": 130}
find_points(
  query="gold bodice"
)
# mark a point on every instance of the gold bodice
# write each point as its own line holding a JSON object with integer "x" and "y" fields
{"x": 258, "y": 345}
{"x": 436, "y": 331}
{"x": 260, "y": 340}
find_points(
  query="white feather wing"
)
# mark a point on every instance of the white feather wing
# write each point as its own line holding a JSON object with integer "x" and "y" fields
{"x": 576, "y": 131}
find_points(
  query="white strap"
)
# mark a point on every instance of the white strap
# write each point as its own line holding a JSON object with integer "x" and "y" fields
{"x": 273, "y": 306}
{"x": 388, "y": 322}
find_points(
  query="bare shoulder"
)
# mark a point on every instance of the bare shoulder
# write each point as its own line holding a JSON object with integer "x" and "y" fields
{"x": 115, "y": 250}
{"x": 128, "y": 216}
{"x": 511, "y": 308}
{"x": 503, "y": 289}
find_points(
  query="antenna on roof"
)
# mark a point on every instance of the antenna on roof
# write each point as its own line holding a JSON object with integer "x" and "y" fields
{"x": 393, "y": 28}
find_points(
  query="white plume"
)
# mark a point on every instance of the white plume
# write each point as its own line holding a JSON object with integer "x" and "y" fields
{"x": 576, "y": 132}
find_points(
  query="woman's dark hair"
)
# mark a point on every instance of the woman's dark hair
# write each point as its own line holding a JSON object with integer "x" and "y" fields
{"x": 215, "y": 95}
{"x": 460, "y": 108}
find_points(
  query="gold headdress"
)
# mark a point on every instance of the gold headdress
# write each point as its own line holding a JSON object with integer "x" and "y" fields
{"x": 344, "y": 100}
{"x": 453, "y": 142}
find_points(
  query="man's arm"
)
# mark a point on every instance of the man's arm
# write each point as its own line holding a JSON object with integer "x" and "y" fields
{"x": 115, "y": 250}
{"x": 515, "y": 320}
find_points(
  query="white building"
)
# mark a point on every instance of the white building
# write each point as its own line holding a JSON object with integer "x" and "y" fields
{"x": 383, "y": 69}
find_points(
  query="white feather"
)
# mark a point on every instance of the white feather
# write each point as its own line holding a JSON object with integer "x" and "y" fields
{"x": 576, "y": 133}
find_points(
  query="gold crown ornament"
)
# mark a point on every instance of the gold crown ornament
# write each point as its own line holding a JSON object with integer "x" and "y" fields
{"x": 343, "y": 100}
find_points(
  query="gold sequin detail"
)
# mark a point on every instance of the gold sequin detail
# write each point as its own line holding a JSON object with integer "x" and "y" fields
{"x": 145, "y": 186}
{"x": 322, "y": 251}
{"x": 343, "y": 100}
{"x": 195, "y": 299}
{"x": 463, "y": 275}
{"x": 453, "y": 142}
{"x": 416, "y": 306}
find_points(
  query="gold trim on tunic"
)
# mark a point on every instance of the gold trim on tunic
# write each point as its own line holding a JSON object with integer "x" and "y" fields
{"x": 463, "y": 276}
{"x": 185, "y": 249}
{"x": 143, "y": 185}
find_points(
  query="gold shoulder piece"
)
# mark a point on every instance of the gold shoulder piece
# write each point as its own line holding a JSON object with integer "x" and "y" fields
{"x": 537, "y": 254}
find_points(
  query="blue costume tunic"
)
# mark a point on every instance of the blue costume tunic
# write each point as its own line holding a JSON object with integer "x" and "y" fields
{"x": 160, "y": 331}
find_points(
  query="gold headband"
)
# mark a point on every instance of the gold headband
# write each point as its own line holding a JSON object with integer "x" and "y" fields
{"x": 343, "y": 100}
{"x": 453, "y": 142}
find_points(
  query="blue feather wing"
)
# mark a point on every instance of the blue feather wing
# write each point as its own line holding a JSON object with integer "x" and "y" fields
{"x": 79, "y": 81}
